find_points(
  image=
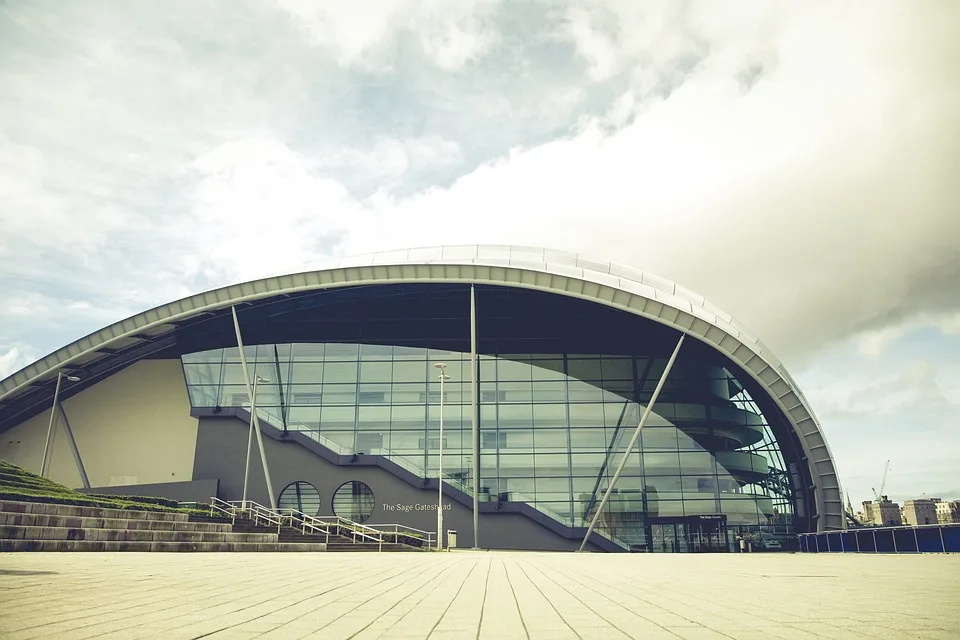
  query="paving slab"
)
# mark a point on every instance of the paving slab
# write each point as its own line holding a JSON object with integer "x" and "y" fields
{"x": 466, "y": 594}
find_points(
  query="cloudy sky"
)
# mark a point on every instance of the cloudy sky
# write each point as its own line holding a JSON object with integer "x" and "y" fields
{"x": 795, "y": 163}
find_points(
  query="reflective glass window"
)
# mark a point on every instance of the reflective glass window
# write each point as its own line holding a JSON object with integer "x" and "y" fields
{"x": 549, "y": 415}
{"x": 617, "y": 368}
{"x": 376, "y": 352}
{"x": 204, "y": 396}
{"x": 308, "y": 352}
{"x": 340, "y": 351}
{"x": 586, "y": 415}
{"x": 336, "y": 418}
{"x": 376, "y": 371}
{"x": 513, "y": 416}
{"x": 661, "y": 464}
{"x": 202, "y": 373}
{"x": 212, "y": 356}
{"x": 510, "y": 370}
{"x": 307, "y": 372}
{"x": 580, "y": 391}
{"x": 410, "y": 371}
{"x": 584, "y": 367}
{"x": 373, "y": 417}
{"x": 547, "y": 370}
{"x": 340, "y": 372}
{"x": 550, "y": 392}
{"x": 339, "y": 394}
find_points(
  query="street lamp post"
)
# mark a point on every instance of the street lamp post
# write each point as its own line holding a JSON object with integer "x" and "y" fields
{"x": 443, "y": 376}
{"x": 54, "y": 413}
{"x": 253, "y": 409}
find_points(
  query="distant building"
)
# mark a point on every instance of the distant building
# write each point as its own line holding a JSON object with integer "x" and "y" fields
{"x": 884, "y": 513}
{"x": 920, "y": 511}
{"x": 948, "y": 512}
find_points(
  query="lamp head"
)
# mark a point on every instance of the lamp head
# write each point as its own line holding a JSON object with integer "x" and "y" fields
{"x": 262, "y": 379}
{"x": 73, "y": 378}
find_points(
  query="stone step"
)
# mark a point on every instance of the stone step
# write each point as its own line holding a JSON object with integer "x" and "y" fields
{"x": 10, "y": 506}
{"x": 77, "y": 522}
{"x": 368, "y": 546}
{"x": 128, "y": 535}
{"x": 112, "y": 546}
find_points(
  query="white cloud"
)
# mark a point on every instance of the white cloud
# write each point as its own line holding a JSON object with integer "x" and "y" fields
{"x": 258, "y": 203}
{"x": 14, "y": 359}
{"x": 950, "y": 324}
{"x": 365, "y": 33}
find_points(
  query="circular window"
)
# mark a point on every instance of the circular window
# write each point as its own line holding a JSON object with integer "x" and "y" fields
{"x": 354, "y": 500}
{"x": 301, "y": 496}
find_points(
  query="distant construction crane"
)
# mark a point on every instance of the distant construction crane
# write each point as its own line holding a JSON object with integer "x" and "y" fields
{"x": 878, "y": 495}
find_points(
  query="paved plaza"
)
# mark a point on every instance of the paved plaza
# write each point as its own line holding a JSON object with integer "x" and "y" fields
{"x": 467, "y": 594}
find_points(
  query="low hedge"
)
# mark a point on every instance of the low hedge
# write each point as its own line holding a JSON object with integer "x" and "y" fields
{"x": 163, "y": 502}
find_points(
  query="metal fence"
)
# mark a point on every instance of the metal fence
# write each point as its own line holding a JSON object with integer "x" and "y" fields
{"x": 933, "y": 538}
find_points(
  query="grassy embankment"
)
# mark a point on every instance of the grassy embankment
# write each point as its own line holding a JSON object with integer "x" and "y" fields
{"x": 21, "y": 485}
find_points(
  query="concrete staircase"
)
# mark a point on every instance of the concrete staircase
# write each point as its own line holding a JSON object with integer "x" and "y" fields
{"x": 35, "y": 526}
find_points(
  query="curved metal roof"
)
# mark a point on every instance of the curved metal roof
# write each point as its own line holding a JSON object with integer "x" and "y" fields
{"x": 560, "y": 272}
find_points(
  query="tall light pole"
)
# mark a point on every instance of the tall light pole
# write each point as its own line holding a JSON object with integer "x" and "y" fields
{"x": 54, "y": 413}
{"x": 443, "y": 376}
{"x": 253, "y": 409}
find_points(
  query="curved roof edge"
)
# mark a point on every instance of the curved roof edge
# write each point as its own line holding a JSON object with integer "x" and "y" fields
{"x": 569, "y": 274}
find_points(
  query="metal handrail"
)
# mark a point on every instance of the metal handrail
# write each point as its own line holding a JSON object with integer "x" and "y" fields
{"x": 224, "y": 507}
{"x": 337, "y": 525}
{"x": 255, "y": 511}
{"x": 397, "y": 530}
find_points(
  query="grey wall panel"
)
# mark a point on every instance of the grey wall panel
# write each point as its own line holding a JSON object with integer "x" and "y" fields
{"x": 221, "y": 451}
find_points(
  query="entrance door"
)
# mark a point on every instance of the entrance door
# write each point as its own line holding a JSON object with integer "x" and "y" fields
{"x": 708, "y": 534}
{"x": 663, "y": 538}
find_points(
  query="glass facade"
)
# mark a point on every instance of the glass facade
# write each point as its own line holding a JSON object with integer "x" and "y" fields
{"x": 553, "y": 429}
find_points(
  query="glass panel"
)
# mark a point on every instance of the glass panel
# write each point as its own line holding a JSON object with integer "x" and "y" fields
{"x": 586, "y": 415}
{"x": 376, "y": 371}
{"x": 515, "y": 416}
{"x": 508, "y": 370}
{"x": 340, "y": 351}
{"x": 585, "y": 369}
{"x": 338, "y": 418}
{"x": 339, "y": 394}
{"x": 212, "y": 356}
{"x": 549, "y": 415}
{"x": 340, "y": 372}
{"x": 410, "y": 371}
{"x": 549, "y": 392}
{"x": 203, "y": 373}
{"x": 204, "y": 396}
{"x": 617, "y": 368}
{"x": 373, "y": 417}
{"x": 376, "y": 352}
{"x": 306, "y": 372}
{"x": 307, "y": 352}
{"x": 548, "y": 370}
